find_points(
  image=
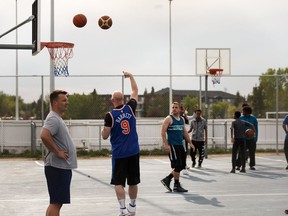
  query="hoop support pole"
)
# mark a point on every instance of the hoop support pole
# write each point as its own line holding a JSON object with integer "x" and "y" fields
{"x": 17, "y": 26}
{"x": 17, "y": 46}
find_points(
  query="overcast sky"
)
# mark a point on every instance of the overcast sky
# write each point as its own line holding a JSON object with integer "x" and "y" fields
{"x": 255, "y": 30}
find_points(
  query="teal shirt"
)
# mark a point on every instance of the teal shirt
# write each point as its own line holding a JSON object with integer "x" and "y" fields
{"x": 251, "y": 119}
{"x": 175, "y": 131}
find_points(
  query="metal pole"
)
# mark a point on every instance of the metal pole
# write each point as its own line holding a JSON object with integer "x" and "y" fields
{"x": 52, "y": 77}
{"x": 200, "y": 93}
{"x": 206, "y": 112}
{"x": 17, "y": 84}
{"x": 42, "y": 99}
{"x": 277, "y": 109}
{"x": 170, "y": 60}
{"x": 17, "y": 26}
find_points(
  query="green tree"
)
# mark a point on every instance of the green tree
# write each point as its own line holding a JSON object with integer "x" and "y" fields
{"x": 265, "y": 94}
{"x": 220, "y": 110}
{"x": 239, "y": 100}
{"x": 84, "y": 106}
{"x": 190, "y": 102}
{"x": 158, "y": 106}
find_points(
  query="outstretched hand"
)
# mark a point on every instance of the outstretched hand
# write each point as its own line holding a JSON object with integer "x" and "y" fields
{"x": 126, "y": 74}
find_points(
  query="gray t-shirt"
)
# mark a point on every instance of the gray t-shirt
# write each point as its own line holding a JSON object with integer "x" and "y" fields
{"x": 199, "y": 127}
{"x": 60, "y": 134}
{"x": 239, "y": 128}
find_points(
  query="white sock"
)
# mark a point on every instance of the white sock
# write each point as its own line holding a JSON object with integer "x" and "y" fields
{"x": 133, "y": 202}
{"x": 122, "y": 203}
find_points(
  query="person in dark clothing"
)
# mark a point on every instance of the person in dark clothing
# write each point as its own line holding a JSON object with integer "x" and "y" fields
{"x": 198, "y": 127}
{"x": 250, "y": 141}
{"x": 238, "y": 140}
{"x": 183, "y": 114}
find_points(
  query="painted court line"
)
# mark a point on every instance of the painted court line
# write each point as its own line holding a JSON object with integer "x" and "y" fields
{"x": 39, "y": 164}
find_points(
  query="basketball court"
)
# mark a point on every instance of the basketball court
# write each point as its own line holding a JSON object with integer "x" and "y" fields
{"x": 213, "y": 190}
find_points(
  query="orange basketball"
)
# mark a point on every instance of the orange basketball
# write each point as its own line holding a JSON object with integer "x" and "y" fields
{"x": 249, "y": 133}
{"x": 105, "y": 22}
{"x": 79, "y": 20}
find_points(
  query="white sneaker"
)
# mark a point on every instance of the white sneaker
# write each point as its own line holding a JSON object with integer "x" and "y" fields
{"x": 124, "y": 212}
{"x": 185, "y": 172}
{"x": 132, "y": 209}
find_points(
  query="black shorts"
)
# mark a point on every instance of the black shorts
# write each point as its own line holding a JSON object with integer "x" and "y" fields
{"x": 177, "y": 157}
{"x": 58, "y": 182}
{"x": 126, "y": 168}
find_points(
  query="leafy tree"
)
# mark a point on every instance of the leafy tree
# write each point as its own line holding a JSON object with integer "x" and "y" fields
{"x": 265, "y": 94}
{"x": 219, "y": 110}
{"x": 158, "y": 106}
{"x": 190, "y": 102}
{"x": 257, "y": 101}
{"x": 239, "y": 100}
{"x": 84, "y": 106}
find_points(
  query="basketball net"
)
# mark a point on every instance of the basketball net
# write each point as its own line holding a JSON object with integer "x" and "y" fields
{"x": 60, "y": 53}
{"x": 215, "y": 75}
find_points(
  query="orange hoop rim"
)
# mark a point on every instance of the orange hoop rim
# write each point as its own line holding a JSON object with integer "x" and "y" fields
{"x": 57, "y": 45}
{"x": 213, "y": 71}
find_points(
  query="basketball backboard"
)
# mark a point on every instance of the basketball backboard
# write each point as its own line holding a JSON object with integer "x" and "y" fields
{"x": 36, "y": 11}
{"x": 213, "y": 58}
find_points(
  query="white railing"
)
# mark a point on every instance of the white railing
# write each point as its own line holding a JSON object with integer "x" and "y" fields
{"x": 17, "y": 136}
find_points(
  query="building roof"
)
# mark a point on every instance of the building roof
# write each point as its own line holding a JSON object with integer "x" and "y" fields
{"x": 195, "y": 93}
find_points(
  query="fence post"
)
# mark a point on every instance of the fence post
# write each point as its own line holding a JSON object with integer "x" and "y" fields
{"x": 33, "y": 137}
{"x": 225, "y": 135}
{"x": 99, "y": 131}
{"x": 2, "y": 136}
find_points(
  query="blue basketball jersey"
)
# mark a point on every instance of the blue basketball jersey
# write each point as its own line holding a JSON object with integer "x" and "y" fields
{"x": 175, "y": 131}
{"x": 123, "y": 135}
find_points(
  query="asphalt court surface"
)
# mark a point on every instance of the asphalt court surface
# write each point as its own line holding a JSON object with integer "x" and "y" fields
{"x": 213, "y": 190}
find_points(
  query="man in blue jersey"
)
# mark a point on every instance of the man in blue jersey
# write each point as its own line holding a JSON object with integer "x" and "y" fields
{"x": 120, "y": 125}
{"x": 173, "y": 126}
{"x": 250, "y": 141}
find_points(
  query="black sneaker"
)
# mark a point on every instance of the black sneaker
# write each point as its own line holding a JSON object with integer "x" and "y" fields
{"x": 178, "y": 188}
{"x": 232, "y": 171}
{"x": 193, "y": 164}
{"x": 243, "y": 170}
{"x": 166, "y": 182}
{"x": 237, "y": 168}
{"x": 252, "y": 168}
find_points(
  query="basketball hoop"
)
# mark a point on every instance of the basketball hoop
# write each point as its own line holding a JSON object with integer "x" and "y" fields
{"x": 215, "y": 74}
{"x": 60, "y": 53}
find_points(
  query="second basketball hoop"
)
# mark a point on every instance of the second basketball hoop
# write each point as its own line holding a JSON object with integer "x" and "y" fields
{"x": 215, "y": 74}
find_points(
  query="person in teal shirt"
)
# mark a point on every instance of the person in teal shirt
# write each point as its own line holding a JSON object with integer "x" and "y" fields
{"x": 250, "y": 141}
{"x": 172, "y": 132}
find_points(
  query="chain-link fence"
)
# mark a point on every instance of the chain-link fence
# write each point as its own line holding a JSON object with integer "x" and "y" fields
{"x": 18, "y": 136}
{"x": 153, "y": 94}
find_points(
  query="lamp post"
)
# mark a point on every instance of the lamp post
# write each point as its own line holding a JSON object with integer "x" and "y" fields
{"x": 170, "y": 60}
{"x": 52, "y": 77}
{"x": 17, "y": 89}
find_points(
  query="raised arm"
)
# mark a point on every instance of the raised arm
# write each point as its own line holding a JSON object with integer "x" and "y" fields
{"x": 134, "y": 86}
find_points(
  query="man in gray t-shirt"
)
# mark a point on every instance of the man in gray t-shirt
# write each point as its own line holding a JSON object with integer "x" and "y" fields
{"x": 62, "y": 157}
{"x": 198, "y": 127}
